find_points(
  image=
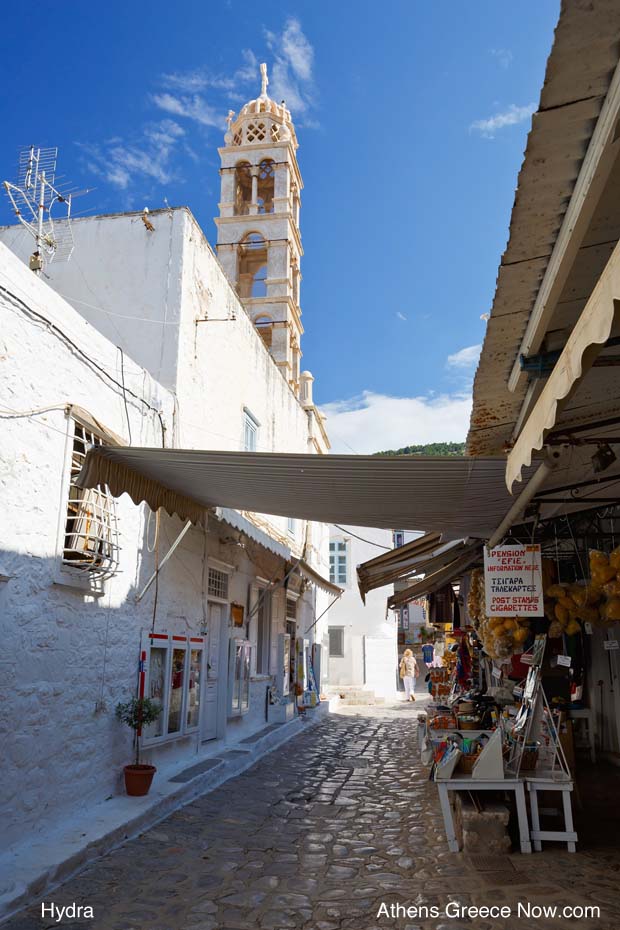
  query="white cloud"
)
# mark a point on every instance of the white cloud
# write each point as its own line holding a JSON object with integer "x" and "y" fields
{"x": 375, "y": 422}
{"x": 191, "y": 82}
{"x": 510, "y": 117}
{"x": 148, "y": 155}
{"x": 401, "y": 316}
{"x": 194, "y": 107}
{"x": 464, "y": 358}
{"x": 503, "y": 55}
{"x": 291, "y": 73}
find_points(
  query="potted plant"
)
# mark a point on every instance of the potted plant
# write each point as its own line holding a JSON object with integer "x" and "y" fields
{"x": 138, "y": 713}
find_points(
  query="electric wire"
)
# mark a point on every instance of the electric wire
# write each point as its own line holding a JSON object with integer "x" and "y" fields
{"x": 59, "y": 333}
{"x": 361, "y": 538}
{"x": 124, "y": 392}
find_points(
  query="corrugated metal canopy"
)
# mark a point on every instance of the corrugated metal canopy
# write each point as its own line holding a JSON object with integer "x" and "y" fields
{"x": 578, "y": 77}
{"x": 455, "y": 496}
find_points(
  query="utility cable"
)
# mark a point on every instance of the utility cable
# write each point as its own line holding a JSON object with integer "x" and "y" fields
{"x": 59, "y": 333}
{"x": 125, "y": 392}
{"x": 361, "y": 538}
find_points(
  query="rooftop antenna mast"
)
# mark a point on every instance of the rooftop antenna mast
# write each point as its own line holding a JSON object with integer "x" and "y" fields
{"x": 34, "y": 197}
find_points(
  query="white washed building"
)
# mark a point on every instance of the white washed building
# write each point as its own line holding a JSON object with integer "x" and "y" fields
{"x": 142, "y": 339}
{"x": 362, "y": 636}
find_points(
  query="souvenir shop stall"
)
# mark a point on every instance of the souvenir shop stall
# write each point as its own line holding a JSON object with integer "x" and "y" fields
{"x": 518, "y": 694}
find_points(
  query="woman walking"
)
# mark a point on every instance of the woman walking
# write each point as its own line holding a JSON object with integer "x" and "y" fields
{"x": 408, "y": 673}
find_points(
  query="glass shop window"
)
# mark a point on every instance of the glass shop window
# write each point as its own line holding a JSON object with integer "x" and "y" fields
{"x": 239, "y": 677}
{"x": 172, "y": 672}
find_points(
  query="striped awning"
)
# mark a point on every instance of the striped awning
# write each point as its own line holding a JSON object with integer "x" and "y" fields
{"x": 455, "y": 496}
{"x": 403, "y": 562}
{"x": 433, "y": 580}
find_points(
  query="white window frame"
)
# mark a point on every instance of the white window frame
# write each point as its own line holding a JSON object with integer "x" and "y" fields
{"x": 226, "y": 569}
{"x": 260, "y": 590}
{"x": 171, "y": 642}
{"x": 335, "y": 576}
{"x": 234, "y": 644}
{"x": 291, "y": 526}
{"x": 251, "y": 425}
{"x": 294, "y": 598}
{"x": 91, "y": 580}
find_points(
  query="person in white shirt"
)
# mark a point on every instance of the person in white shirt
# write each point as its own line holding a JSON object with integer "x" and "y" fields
{"x": 409, "y": 673}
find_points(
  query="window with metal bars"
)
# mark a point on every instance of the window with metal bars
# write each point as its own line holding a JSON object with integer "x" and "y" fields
{"x": 291, "y": 608}
{"x": 217, "y": 584}
{"x": 91, "y": 541}
{"x": 336, "y": 641}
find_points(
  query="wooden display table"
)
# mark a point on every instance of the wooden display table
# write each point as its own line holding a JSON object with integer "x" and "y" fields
{"x": 467, "y": 783}
{"x": 546, "y": 782}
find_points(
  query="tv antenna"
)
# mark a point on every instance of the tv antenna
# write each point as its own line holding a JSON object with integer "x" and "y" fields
{"x": 34, "y": 197}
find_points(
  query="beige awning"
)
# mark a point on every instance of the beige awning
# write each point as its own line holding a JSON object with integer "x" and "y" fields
{"x": 437, "y": 579}
{"x": 455, "y": 496}
{"x": 316, "y": 578}
{"x": 591, "y": 331}
{"x": 403, "y": 562}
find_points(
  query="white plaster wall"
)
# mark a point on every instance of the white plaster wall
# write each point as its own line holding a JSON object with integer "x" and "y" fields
{"x": 68, "y": 652}
{"x": 361, "y": 620}
{"x": 151, "y": 288}
{"x": 125, "y": 280}
{"x": 57, "y": 752}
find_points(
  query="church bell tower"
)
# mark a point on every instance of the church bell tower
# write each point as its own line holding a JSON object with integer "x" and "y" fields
{"x": 258, "y": 238}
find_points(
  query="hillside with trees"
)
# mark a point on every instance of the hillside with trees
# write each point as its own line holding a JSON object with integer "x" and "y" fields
{"x": 429, "y": 448}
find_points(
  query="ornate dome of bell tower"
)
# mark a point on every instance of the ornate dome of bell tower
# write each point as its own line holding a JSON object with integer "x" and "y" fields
{"x": 258, "y": 237}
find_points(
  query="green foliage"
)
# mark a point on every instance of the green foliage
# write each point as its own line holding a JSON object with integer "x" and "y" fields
{"x": 429, "y": 448}
{"x": 138, "y": 713}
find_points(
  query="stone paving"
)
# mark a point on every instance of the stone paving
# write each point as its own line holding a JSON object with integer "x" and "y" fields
{"x": 319, "y": 834}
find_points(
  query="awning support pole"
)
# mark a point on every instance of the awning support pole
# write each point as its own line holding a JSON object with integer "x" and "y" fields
{"x": 163, "y": 561}
{"x": 529, "y": 491}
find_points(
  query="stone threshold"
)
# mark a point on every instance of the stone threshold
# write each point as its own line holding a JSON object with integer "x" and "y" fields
{"x": 38, "y": 865}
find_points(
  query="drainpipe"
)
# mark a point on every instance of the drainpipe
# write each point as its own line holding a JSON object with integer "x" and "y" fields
{"x": 533, "y": 486}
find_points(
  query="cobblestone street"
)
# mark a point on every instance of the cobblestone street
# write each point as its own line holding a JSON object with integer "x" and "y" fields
{"x": 318, "y": 835}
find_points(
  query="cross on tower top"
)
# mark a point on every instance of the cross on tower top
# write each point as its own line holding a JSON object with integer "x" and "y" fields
{"x": 264, "y": 80}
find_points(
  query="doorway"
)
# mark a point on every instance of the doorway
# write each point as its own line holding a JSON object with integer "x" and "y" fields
{"x": 213, "y": 719}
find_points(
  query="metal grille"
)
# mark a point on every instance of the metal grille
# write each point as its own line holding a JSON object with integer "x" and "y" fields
{"x": 291, "y": 608}
{"x": 91, "y": 531}
{"x": 336, "y": 641}
{"x": 217, "y": 585}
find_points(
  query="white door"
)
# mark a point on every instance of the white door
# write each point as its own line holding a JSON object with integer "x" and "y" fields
{"x": 215, "y": 674}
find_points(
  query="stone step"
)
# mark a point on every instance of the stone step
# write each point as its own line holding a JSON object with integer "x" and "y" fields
{"x": 350, "y": 695}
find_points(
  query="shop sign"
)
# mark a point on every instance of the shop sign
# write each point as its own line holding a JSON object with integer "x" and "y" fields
{"x": 513, "y": 581}
{"x": 610, "y": 644}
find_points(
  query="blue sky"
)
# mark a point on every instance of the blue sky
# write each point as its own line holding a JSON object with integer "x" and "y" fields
{"x": 412, "y": 120}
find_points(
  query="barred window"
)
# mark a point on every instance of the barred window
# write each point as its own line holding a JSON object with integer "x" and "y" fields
{"x": 91, "y": 543}
{"x": 217, "y": 584}
{"x": 336, "y": 641}
{"x": 291, "y": 608}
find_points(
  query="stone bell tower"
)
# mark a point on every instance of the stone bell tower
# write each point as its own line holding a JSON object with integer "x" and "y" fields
{"x": 258, "y": 239}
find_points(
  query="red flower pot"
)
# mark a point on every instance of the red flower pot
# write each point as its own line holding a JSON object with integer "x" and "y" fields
{"x": 138, "y": 779}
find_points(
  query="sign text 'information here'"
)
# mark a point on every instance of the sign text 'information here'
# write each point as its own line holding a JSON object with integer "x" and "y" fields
{"x": 513, "y": 581}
